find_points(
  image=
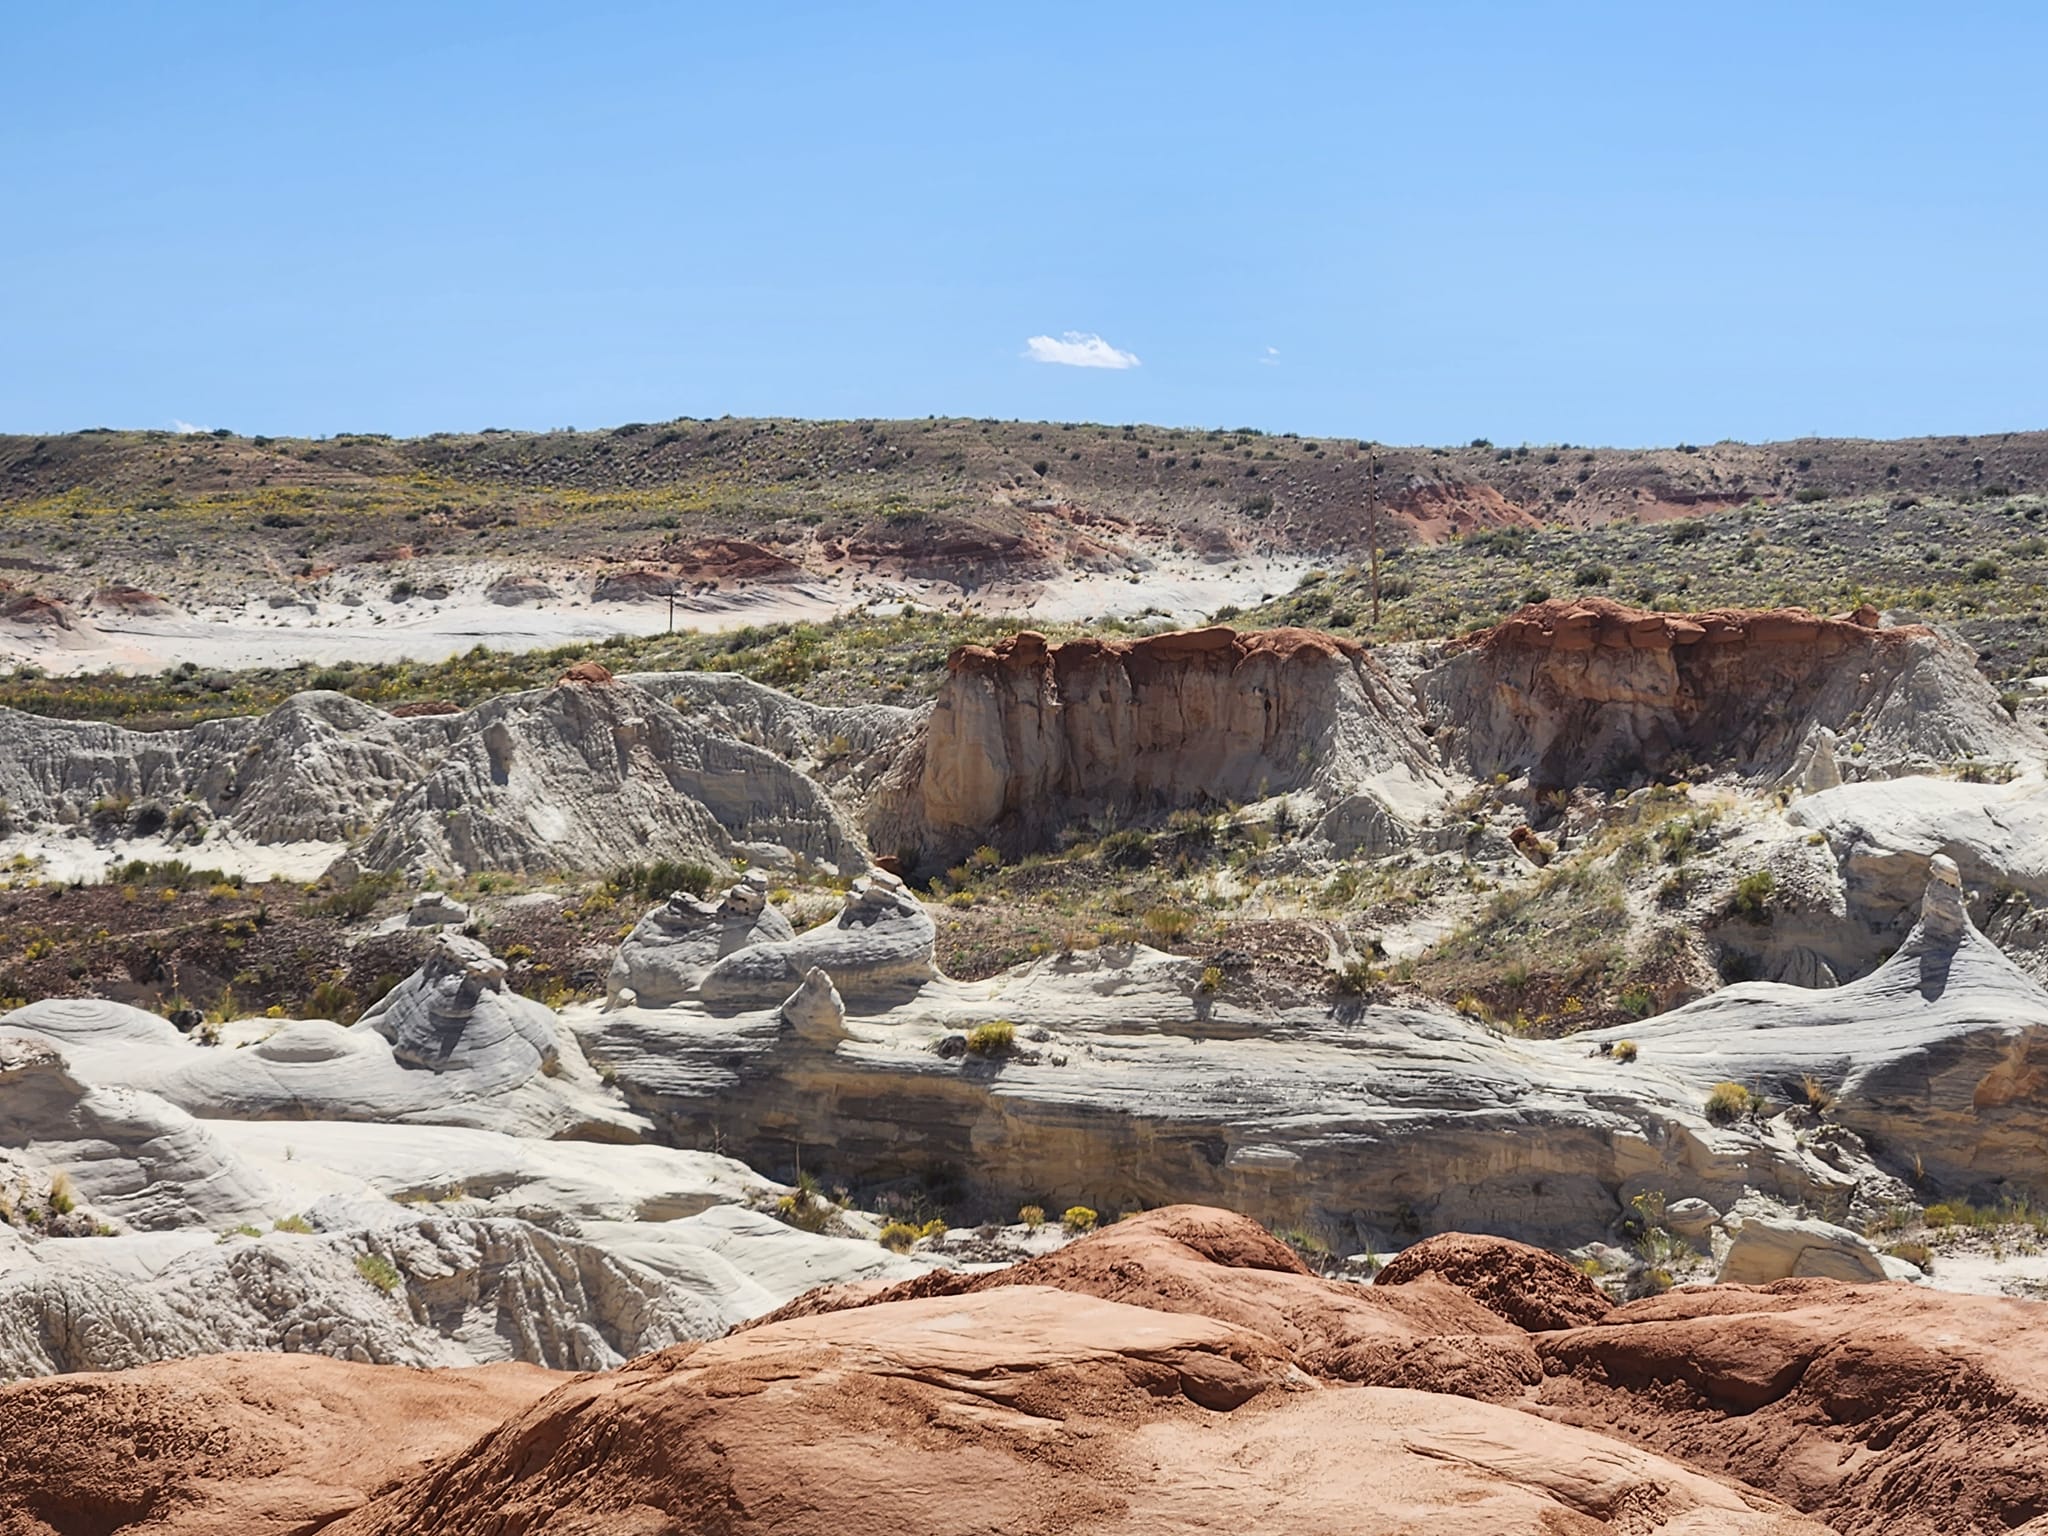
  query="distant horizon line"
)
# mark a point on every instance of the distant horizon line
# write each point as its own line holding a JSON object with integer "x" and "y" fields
{"x": 629, "y": 427}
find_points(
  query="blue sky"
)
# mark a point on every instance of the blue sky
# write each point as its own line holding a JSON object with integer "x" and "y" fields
{"x": 1611, "y": 224}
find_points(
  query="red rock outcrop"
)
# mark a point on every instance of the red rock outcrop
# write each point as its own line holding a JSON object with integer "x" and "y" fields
{"x": 1027, "y": 736}
{"x": 257, "y": 1445}
{"x": 1876, "y": 1408}
{"x": 130, "y": 600}
{"x": 1173, "y": 1373}
{"x": 34, "y": 609}
{"x": 634, "y": 586}
{"x": 719, "y": 559}
{"x": 1152, "y": 1381}
{"x": 1591, "y": 691}
{"x": 595, "y": 673}
{"x": 1196, "y": 1259}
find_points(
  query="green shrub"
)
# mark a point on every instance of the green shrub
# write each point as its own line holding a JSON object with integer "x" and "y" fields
{"x": 1752, "y": 897}
{"x": 378, "y": 1270}
{"x": 1125, "y": 849}
{"x": 333, "y": 998}
{"x": 1917, "y": 1254}
{"x": 1078, "y": 1219}
{"x": 292, "y": 1224}
{"x": 898, "y": 1236}
{"x": 1625, "y": 1051}
{"x": 662, "y": 879}
{"x": 1167, "y": 925}
{"x": 62, "y": 1199}
{"x": 1033, "y": 1216}
{"x": 359, "y": 899}
{"x": 998, "y": 1037}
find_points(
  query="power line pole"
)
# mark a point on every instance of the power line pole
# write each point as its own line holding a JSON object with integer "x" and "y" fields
{"x": 1372, "y": 525}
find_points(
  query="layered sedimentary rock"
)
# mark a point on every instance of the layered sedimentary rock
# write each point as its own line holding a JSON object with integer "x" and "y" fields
{"x": 845, "y": 748}
{"x": 588, "y": 774}
{"x": 1026, "y": 737}
{"x": 455, "y": 1014}
{"x": 1883, "y": 833}
{"x": 131, "y": 1155}
{"x": 1125, "y": 1088}
{"x": 591, "y": 774}
{"x": 450, "y": 1045}
{"x": 1936, "y": 1057}
{"x": 1590, "y": 691}
{"x": 319, "y": 768}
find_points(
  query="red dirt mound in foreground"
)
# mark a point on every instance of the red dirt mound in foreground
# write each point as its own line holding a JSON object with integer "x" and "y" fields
{"x": 256, "y": 1445}
{"x": 1179, "y": 1372}
{"x": 1526, "y": 1286}
{"x": 1192, "y": 1259}
{"x": 1028, "y": 1410}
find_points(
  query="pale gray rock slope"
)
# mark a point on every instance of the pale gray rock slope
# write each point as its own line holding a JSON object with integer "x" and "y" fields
{"x": 1883, "y": 833}
{"x": 428, "y": 1053}
{"x": 845, "y": 748}
{"x": 461, "y": 1290}
{"x": 590, "y": 775}
{"x": 321, "y": 767}
{"x": 431, "y": 1243}
{"x": 584, "y": 775}
{"x": 131, "y": 1155}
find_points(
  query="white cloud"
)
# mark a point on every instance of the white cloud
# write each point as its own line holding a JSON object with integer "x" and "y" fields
{"x": 1078, "y": 349}
{"x": 1271, "y": 358}
{"x": 184, "y": 428}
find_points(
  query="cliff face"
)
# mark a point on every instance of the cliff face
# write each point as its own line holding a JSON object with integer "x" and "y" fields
{"x": 1026, "y": 736}
{"x": 1591, "y": 691}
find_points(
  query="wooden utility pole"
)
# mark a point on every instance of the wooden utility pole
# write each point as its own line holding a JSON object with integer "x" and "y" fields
{"x": 1372, "y": 526}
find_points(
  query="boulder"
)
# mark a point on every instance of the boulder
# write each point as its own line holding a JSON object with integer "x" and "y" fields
{"x": 433, "y": 909}
{"x": 1767, "y": 1248}
{"x": 815, "y": 1010}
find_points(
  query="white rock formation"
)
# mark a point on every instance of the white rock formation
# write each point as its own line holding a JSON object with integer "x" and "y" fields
{"x": 878, "y": 947}
{"x": 455, "y": 1014}
{"x": 129, "y": 1155}
{"x": 669, "y": 950}
{"x": 449, "y": 1046}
